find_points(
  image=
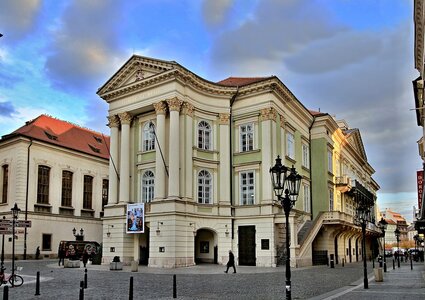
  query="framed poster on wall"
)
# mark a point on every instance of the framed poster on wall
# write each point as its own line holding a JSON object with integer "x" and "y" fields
{"x": 135, "y": 218}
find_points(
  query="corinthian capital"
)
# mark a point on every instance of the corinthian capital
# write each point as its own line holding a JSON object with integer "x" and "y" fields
{"x": 223, "y": 119}
{"x": 160, "y": 108}
{"x": 113, "y": 121}
{"x": 174, "y": 104}
{"x": 125, "y": 118}
{"x": 188, "y": 109}
{"x": 268, "y": 113}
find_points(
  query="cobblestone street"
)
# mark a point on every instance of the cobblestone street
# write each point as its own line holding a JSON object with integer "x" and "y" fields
{"x": 200, "y": 282}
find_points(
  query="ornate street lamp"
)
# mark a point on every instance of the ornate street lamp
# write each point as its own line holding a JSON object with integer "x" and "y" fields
{"x": 15, "y": 213}
{"x": 383, "y": 226}
{"x": 286, "y": 184}
{"x": 397, "y": 235}
{"x": 78, "y": 237}
{"x": 364, "y": 203}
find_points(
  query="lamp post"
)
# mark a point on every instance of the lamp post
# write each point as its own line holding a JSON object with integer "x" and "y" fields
{"x": 383, "y": 225}
{"x": 286, "y": 181}
{"x": 397, "y": 235}
{"x": 78, "y": 237}
{"x": 15, "y": 213}
{"x": 362, "y": 217}
{"x": 2, "y": 252}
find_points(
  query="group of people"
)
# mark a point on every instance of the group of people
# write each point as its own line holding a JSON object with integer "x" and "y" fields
{"x": 71, "y": 253}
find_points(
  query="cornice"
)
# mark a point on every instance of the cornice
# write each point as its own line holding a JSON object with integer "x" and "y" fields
{"x": 419, "y": 35}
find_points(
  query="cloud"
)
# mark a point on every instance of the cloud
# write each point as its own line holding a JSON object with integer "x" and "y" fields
{"x": 17, "y": 17}
{"x": 214, "y": 11}
{"x": 85, "y": 44}
{"x": 7, "y": 109}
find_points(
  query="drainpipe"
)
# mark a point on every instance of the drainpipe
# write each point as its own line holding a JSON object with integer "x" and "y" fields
{"x": 26, "y": 198}
{"x": 232, "y": 100}
{"x": 310, "y": 168}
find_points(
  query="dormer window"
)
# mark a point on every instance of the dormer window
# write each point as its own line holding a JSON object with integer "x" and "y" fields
{"x": 51, "y": 136}
{"x": 98, "y": 139}
{"x": 94, "y": 149}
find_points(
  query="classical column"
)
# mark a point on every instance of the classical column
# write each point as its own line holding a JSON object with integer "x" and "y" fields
{"x": 188, "y": 112}
{"x": 174, "y": 106}
{"x": 161, "y": 110}
{"x": 114, "y": 123}
{"x": 125, "y": 119}
{"x": 267, "y": 116}
{"x": 224, "y": 176}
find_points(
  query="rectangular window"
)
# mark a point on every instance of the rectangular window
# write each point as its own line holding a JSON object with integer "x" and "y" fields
{"x": 66, "y": 188}
{"x": 88, "y": 192}
{"x": 43, "y": 185}
{"x": 105, "y": 192}
{"x": 290, "y": 145}
{"x": 306, "y": 156}
{"x": 330, "y": 162}
{"x": 331, "y": 200}
{"x": 246, "y": 137}
{"x": 306, "y": 193}
{"x": 5, "y": 183}
{"x": 46, "y": 243}
{"x": 247, "y": 184}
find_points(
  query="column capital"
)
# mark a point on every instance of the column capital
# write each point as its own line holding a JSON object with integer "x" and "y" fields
{"x": 174, "y": 104}
{"x": 282, "y": 121}
{"x": 224, "y": 119}
{"x": 125, "y": 117}
{"x": 160, "y": 108}
{"x": 268, "y": 113}
{"x": 188, "y": 109}
{"x": 113, "y": 121}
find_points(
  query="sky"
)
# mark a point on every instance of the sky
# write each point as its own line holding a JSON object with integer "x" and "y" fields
{"x": 352, "y": 59}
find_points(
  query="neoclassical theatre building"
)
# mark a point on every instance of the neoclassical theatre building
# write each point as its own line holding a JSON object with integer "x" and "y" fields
{"x": 197, "y": 154}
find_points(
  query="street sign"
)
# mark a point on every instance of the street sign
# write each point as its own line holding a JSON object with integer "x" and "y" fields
{"x": 22, "y": 223}
{"x": 5, "y": 222}
{"x": 17, "y": 231}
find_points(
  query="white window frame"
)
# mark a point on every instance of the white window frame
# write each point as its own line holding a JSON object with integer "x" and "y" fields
{"x": 306, "y": 155}
{"x": 246, "y": 137}
{"x": 247, "y": 188}
{"x": 330, "y": 161}
{"x": 307, "y": 200}
{"x": 148, "y": 186}
{"x": 331, "y": 200}
{"x": 148, "y": 137}
{"x": 204, "y": 135}
{"x": 205, "y": 187}
{"x": 290, "y": 145}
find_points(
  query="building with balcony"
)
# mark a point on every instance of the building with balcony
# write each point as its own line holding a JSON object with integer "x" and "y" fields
{"x": 57, "y": 173}
{"x": 197, "y": 154}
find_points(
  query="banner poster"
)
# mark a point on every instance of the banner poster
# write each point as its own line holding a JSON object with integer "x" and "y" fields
{"x": 136, "y": 218}
{"x": 420, "y": 181}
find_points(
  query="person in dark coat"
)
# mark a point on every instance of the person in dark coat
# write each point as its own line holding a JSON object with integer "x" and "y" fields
{"x": 61, "y": 253}
{"x": 231, "y": 262}
{"x": 85, "y": 258}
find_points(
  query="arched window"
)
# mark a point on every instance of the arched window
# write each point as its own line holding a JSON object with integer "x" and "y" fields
{"x": 148, "y": 137}
{"x": 148, "y": 186}
{"x": 204, "y": 135}
{"x": 204, "y": 187}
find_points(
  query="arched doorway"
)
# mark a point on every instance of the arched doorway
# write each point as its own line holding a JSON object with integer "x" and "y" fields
{"x": 144, "y": 247}
{"x": 206, "y": 249}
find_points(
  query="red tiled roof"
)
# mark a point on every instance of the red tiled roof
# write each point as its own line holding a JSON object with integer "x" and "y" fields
{"x": 240, "y": 81}
{"x": 389, "y": 221}
{"x": 54, "y": 131}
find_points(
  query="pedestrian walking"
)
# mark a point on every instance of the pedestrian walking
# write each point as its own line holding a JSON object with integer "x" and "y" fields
{"x": 85, "y": 258}
{"x": 231, "y": 262}
{"x": 37, "y": 253}
{"x": 61, "y": 253}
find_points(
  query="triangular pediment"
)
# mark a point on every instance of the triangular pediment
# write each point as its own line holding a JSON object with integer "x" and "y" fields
{"x": 137, "y": 68}
{"x": 355, "y": 140}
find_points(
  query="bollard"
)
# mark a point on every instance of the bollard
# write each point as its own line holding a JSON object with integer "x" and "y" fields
{"x": 398, "y": 262}
{"x": 411, "y": 264}
{"x": 332, "y": 261}
{"x": 393, "y": 264}
{"x": 343, "y": 260}
{"x": 130, "y": 293}
{"x": 174, "y": 286}
{"x": 85, "y": 278}
{"x": 81, "y": 290}
{"x": 6, "y": 292}
{"x": 37, "y": 284}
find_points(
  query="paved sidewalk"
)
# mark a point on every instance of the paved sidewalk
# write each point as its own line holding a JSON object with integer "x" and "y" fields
{"x": 398, "y": 283}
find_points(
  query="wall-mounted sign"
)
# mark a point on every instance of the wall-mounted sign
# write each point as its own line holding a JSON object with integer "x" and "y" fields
{"x": 135, "y": 218}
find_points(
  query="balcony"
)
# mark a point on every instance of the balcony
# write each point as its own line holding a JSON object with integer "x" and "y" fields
{"x": 343, "y": 184}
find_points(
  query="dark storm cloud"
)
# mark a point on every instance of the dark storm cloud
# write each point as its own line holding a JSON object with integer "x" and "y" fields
{"x": 17, "y": 17}
{"x": 7, "y": 109}
{"x": 86, "y": 44}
